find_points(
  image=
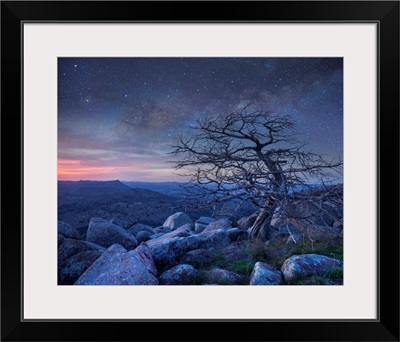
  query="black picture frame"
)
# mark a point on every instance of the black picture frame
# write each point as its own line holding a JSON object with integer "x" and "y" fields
{"x": 15, "y": 13}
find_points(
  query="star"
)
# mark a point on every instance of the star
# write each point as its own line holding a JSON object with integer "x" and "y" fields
{"x": 146, "y": 103}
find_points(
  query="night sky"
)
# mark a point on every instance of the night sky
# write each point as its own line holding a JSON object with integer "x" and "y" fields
{"x": 118, "y": 117}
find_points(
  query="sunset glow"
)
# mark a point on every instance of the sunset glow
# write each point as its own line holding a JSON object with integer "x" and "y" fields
{"x": 77, "y": 170}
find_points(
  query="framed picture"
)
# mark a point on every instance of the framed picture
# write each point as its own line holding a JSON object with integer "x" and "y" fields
{"x": 207, "y": 146}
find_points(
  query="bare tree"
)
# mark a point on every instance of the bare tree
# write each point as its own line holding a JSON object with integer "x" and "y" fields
{"x": 253, "y": 156}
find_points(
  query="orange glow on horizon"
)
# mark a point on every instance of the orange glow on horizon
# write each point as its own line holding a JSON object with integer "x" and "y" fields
{"x": 75, "y": 170}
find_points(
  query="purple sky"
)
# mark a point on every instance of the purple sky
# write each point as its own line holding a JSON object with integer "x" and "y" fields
{"x": 118, "y": 117}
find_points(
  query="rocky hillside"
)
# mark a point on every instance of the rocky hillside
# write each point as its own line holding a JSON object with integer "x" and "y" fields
{"x": 73, "y": 191}
{"x": 114, "y": 201}
{"x": 208, "y": 251}
{"x": 79, "y": 201}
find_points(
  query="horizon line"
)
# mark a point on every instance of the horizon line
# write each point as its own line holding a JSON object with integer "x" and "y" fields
{"x": 117, "y": 180}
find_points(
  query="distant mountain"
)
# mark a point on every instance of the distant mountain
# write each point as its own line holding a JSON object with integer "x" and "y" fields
{"x": 167, "y": 188}
{"x": 79, "y": 201}
{"x": 85, "y": 188}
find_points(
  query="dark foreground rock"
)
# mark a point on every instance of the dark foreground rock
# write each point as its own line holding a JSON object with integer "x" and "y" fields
{"x": 198, "y": 257}
{"x": 179, "y": 275}
{"x": 122, "y": 222}
{"x": 143, "y": 236}
{"x": 202, "y": 223}
{"x": 222, "y": 277}
{"x": 162, "y": 230}
{"x": 164, "y": 249}
{"x": 66, "y": 231}
{"x": 236, "y": 234}
{"x": 106, "y": 234}
{"x": 117, "y": 266}
{"x": 298, "y": 266}
{"x": 264, "y": 274}
{"x": 139, "y": 227}
{"x": 74, "y": 257}
{"x": 168, "y": 249}
{"x": 219, "y": 224}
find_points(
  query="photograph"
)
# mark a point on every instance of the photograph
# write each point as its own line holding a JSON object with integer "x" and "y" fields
{"x": 175, "y": 166}
{"x": 200, "y": 171}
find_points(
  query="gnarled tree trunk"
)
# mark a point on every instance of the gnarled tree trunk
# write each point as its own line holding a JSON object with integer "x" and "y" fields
{"x": 261, "y": 227}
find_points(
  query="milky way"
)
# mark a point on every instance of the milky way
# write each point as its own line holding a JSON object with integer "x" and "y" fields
{"x": 119, "y": 117}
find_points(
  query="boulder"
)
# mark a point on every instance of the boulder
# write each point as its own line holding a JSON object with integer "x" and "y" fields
{"x": 60, "y": 239}
{"x": 298, "y": 266}
{"x": 215, "y": 239}
{"x": 122, "y": 222}
{"x": 219, "y": 224}
{"x": 222, "y": 277}
{"x": 155, "y": 236}
{"x": 139, "y": 227}
{"x": 185, "y": 244}
{"x": 106, "y": 234}
{"x": 143, "y": 236}
{"x": 235, "y": 252}
{"x": 198, "y": 257}
{"x": 75, "y": 266}
{"x": 117, "y": 266}
{"x": 247, "y": 222}
{"x": 167, "y": 250}
{"x": 71, "y": 247}
{"x": 264, "y": 274}
{"x": 186, "y": 233}
{"x": 202, "y": 223}
{"x": 185, "y": 229}
{"x": 67, "y": 231}
{"x": 74, "y": 257}
{"x": 236, "y": 234}
{"x": 179, "y": 275}
{"x": 177, "y": 220}
{"x": 162, "y": 230}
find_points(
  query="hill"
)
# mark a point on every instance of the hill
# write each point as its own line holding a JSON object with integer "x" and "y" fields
{"x": 79, "y": 201}
{"x": 167, "y": 188}
{"x": 75, "y": 189}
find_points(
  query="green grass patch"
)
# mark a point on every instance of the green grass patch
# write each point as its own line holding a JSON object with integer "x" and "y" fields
{"x": 335, "y": 273}
{"x": 244, "y": 267}
{"x": 278, "y": 250}
{"x": 275, "y": 252}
